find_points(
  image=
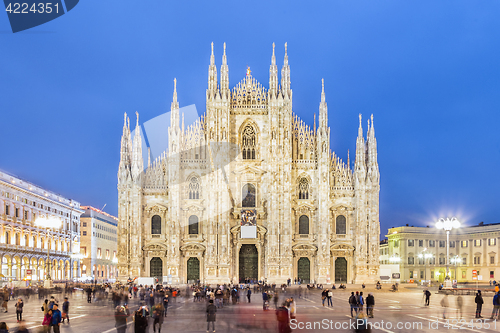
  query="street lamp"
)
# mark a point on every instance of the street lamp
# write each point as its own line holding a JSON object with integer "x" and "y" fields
{"x": 425, "y": 256}
{"x": 48, "y": 222}
{"x": 447, "y": 225}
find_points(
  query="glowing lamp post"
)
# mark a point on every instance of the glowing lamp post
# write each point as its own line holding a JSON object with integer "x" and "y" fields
{"x": 48, "y": 222}
{"x": 447, "y": 225}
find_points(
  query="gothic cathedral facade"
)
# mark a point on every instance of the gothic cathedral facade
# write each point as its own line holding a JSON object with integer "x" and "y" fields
{"x": 316, "y": 218}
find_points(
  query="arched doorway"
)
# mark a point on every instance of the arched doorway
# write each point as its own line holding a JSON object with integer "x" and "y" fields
{"x": 156, "y": 268}
{"x": 304, "y": 270}
{"x": 249, "y": 262}
{"x": 193, "y": 270}
{"x": 341, "y": 270}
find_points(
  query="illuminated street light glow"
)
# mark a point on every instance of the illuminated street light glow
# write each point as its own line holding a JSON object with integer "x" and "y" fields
{"x": 447, "y": 225}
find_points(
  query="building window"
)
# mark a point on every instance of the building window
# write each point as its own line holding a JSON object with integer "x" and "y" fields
{"x": 248, "y": 196}
{"x": 84, "y": 233}
{"x": 492, "y": 274}
{"x": 411, "y": 242}
{"x": 7, "y": 237}
{"x": 411, "y": 274}
{"x": 464, "y": 261}
{"x": 477, "y": 260}
{"x": 84, "y": 224}
{"x": 464, "y": 244}
{"x": 420, "y": 261}
{"x": 477, "y": 242}
{"x": 442, "y": 243}
{"x": 25, "y": 214}
{"x": 396, "y": 243}
{"x": 17, "y": 212}
{"x": 432, "y": 243}
{"x": 432, "y": 261}
{"x": 411, "y": 260}
{"x": 441, "y": 261}
{"x": 452, "y": 243}
{"x": 193, "y": 225}
{"x": 421, "y": 274}
{"x": 248, "y": 143}
{"x": 99, "y": 254}
{"x": 156, "y": 225}
{"x": 432, "y": 274}
{"x": 340, "y": 225}
{"x": 420, "y": 243}
{"x": 492, "y": 260}
{"x": 464, "y": 274}
{"x": 303, "y": 189}
{"x": 83, "y": 250}
{"x": 107, "y": 254}
{"x": 304, "y": 225}
{"x": 492, "y": 241}
{"x": 194, "y": 188}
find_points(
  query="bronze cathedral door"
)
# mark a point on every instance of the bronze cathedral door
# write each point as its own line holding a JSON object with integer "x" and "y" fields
{"x": 249, "y": 262}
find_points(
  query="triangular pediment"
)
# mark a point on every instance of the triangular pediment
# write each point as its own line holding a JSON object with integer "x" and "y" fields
{"x": 248, "y": 93}
{"x": 249, "y": 169}
{"x": 193, "y": 206}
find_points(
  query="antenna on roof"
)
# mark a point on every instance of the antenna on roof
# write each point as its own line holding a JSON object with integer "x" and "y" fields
{"x": 102, "y": 209}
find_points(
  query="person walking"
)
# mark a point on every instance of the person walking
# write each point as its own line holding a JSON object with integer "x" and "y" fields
{"x": 22, "y": 327}
{"x": 479, "y": 304}
{"x": 211, "y": 310}
{"x": 329, "y": 296}
{"x": 361, "y": 302}
{"x": 427, "y": 294}
{"x": 293, "y": 308}
{"x": 352, "y": 303}
{"x": 56, "y": 319}
{"x": 460, "y": 304}
{"x": 496, "y": 306}
{"x": 370, "y": 303}
{"x": 89, "y": 295}
{"x": 165, "y": 304}
{"x": 445, "y": 304}
{"x": 121, "y": 315}
{"x": 249, "y": 294}
{"x": 19, "y": 309}
{"x": 275, "y": 300}
{"x": 158, "y": 317}
{"x": 47, "y": 320}
{"x": 283, "y": 319}
{"x": 65, "y": 310}
{"x": 141, "y": 319}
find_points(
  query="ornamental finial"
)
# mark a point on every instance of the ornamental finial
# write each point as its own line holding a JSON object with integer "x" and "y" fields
{"x": 248, "y": 71}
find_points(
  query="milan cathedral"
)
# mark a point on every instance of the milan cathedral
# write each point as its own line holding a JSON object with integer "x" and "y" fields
{"x": 315, "y": 217}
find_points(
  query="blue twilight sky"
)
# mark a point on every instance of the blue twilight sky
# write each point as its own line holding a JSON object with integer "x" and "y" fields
{"x": 429, "y": 71}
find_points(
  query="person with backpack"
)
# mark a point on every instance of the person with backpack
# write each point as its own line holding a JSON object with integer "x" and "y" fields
{"x": 479, "y": 304}
{"x": 65, "y": 310}
{"x": 352, "y": 303}
{"x": 496, "y": 306}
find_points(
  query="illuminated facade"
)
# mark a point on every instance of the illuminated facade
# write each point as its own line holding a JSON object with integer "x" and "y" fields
{"x": 471, "y": 248}
{"x": 98, "y": 244}
{"x": 316, "y": 217}
{"x": 23, "y": 245}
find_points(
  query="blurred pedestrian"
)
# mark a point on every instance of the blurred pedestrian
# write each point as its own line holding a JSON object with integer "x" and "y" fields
{"x": 283, "y": 319}
{"x": 158, "y": 316}
{"x": 445, "y": 304}
{"x": 460, "y": 304}
{"x": 19, "y": 309}
{"x": 496, "y": 306}
{"x": 479, "y": 304}
{"x": 47, "y": 320}
{"x": 65, "y": 310}
{"x": 3, "y": 327}
{"x": 211, "y": 310}
{"x": 121, "y": 315}
{"x": 22, "y": 327}
{"x": 56, "y": 318}
{"x": 370, "y": 303}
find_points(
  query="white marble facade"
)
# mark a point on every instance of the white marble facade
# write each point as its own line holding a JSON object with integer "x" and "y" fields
{"x": 317, "y": 218}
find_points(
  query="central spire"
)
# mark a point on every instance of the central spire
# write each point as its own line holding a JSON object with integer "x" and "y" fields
{"x": 285, "y": 76}
{"x": 224, "y": 76}
{"x": 273, "y": 76}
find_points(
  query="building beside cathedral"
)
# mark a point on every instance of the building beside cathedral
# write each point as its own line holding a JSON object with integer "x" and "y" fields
{"x": 248, "y": 191}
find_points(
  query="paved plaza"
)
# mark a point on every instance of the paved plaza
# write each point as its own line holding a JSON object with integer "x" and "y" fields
{"x": 404, "y": 308}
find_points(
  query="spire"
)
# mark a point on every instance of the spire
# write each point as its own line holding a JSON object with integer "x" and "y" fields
{"x": 212, "y": 75}
{"x": 359, "y": 163}
{"x": 323, "y": 110}
{"x": 273, "y": 76}
{"x": 174, "y": 108}
{"x": 149, "y": 157}
{"x": 137, "y": 162}
{"x": 124, "y": 150}
{"x": 224, "y": 76}
{"x": 285, "y": 75}
{"x": 371, "y": 157}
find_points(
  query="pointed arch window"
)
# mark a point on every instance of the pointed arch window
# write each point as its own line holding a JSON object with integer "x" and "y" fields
{"x": 340, "y": 225}
{"x": 156, "y": 225}
{"x": 193, "y": 225}
{"x": 303, "y": 188}
{"x": 248, "y": 196}
{"x": 304, "y": 225}
{"x": 248, "y": 143}
{"x": 194, "y": 188}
